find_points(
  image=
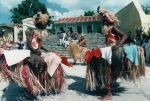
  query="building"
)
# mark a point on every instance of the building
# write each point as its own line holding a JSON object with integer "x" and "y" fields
{"x": 11, "y": 31}
{"x": 133, "y": 16}
{"x": 82, "y": 24}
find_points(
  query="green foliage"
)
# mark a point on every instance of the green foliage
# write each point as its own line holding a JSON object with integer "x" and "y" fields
{"x": 146, "y": 8}
{"x": 146, "y": 35}
{"x": 98, "y": 9}
{"x": 26, "y": 9}
{"x": 148, "y": 32}
{"x": 89, "y": 13}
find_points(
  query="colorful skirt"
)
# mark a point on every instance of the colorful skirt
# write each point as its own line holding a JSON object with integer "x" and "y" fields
{"x": 100, "y": 73}
{"x": 33, "y": 83}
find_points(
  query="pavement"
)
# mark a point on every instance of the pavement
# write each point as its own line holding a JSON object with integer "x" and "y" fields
{"x": 74, "y": 89}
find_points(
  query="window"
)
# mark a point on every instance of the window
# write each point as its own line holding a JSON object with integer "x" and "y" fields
{"x": 79, "y": 29}
{"x": 89, "y": 29}
{"x": 61, "y": 28}
{"x": 70, "y": 28}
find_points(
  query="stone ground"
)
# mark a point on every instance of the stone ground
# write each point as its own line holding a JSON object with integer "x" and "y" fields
{"x": 74, "y": 89}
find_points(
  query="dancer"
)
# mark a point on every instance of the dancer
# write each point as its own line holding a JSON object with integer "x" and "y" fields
{"x": 119, "y": 59}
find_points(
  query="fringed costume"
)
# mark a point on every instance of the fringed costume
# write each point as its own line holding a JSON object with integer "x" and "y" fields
{"x": 105, "y": 66}
{"x": 38, "y": 72}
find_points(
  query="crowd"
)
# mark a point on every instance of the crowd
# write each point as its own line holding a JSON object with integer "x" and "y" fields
{"x": 65, "y": 37}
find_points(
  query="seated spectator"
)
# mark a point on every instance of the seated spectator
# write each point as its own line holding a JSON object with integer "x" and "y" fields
{"x": 60, "y": 36}
{"x": 20, "y": 44}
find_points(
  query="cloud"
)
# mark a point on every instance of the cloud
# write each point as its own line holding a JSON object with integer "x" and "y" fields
{"x": 54, "y": 13}
{"x": 113, "y": 5}
{"x": 77, "y": 7}
{"x": 5, "y": 6}
{"x": 8, "y": 4}
{"x": 73, "y": 7}
{"x": 71, "y": 13}
{"x": 77, "y": 4}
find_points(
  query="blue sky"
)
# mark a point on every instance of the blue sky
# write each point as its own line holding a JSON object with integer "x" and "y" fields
{"x": 66, "y": 8}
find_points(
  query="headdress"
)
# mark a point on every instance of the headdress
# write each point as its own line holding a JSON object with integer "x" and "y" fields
{"x": 108, "y": 17}
{"x": 41, "y": 20}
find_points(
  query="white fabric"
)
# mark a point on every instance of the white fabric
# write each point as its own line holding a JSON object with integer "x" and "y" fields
{"x": 106, "y": 53}
{"x": 15, "y": 56}
{"x": 64, "y": 35}
{"x": 53, "y": 61}
{"x": 60, "y": 42}
{"x": 29, "y": 22}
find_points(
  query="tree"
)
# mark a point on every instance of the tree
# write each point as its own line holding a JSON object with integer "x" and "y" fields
{"x": 26, "y": 9}
{"x": 146, "y": 8}
{"x": 89, "y": 13}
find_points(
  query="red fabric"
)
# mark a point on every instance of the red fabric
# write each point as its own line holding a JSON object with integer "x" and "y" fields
{"x": 94, "y": 53}
{"x": 65, "y": 61}
{"x": 27, "y": 81}
{"x": 97, "y": 52}
{"x": 111, "y": 38}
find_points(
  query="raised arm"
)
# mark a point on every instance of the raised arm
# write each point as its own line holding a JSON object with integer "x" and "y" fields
{"x": 118, "y": 32}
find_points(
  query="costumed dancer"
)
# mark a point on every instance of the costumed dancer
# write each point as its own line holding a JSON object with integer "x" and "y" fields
{"x": 123, "y": 60}
{"x": 120, "y": 59}
{"x": 114, "y": 38}
{"x": 40, "y": 72}
{"x": 53, "y": 78}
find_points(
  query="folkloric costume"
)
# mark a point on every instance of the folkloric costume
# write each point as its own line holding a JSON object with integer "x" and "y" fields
{"x": 42, "y": 71}
{"x": 125, "y": 61}
{"x": 53, "y": 77}
{"x": 106, "y": 65}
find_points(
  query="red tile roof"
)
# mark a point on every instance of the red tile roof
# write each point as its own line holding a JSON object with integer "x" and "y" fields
{"x": 77, "y": 19}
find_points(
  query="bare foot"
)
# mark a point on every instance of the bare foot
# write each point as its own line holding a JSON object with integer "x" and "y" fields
{"x": 105, "y": 98}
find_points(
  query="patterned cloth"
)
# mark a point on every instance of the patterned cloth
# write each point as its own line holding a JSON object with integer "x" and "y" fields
{"x": 131, "y": 53}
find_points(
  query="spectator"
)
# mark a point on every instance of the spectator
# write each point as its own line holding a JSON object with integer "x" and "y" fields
{"x": 74, "y": 35}
{"x": 64, "y": 36}
{"x": 139, "y": 32}
{"x": 20, "y": 44}
{"x": 60, "y": 36}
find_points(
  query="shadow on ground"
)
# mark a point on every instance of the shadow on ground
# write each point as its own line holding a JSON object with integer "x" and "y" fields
{"x": 80, "y": 87}
{"x": 15, "y": 93}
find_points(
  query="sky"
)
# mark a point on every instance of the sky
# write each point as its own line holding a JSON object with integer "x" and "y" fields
{"x": 66, "y": 8}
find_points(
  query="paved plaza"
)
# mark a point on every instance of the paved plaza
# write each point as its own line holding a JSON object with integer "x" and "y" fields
{"x": 75, "y": 90}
